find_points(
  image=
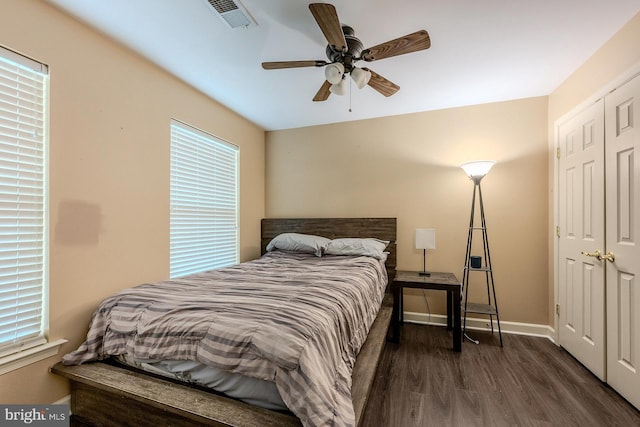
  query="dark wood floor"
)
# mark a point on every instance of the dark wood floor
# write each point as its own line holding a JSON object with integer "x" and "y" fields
{"x": 529, "y": 382}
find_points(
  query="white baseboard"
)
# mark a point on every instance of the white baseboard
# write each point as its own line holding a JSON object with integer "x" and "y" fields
{"x": 518, "y": 328}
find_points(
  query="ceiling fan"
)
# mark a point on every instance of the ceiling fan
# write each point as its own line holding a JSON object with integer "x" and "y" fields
{"x": 345, "y": 49}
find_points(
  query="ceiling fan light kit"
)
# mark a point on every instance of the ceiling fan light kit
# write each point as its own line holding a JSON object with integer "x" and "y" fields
{"x": 339, "y": 88}
{"x": 344, "y": 49}
{"x": 360, "y": 77}
{"x": 334, "y": 72}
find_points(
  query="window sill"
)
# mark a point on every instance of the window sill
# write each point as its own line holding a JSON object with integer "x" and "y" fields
{"x": 29, "y": 356}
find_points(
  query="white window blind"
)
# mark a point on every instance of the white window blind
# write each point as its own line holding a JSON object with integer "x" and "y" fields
{"x": 204, "y": 201}
{"x": 23, "y": 202}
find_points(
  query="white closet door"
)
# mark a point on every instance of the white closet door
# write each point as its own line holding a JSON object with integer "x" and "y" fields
{"x": 581, "y": 221}
{"x": 623, "y": 239}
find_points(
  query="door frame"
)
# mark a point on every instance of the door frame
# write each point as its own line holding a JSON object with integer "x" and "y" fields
{"x": 600, "y": 93}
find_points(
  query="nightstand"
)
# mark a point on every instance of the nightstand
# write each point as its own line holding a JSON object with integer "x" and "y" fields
{"x": 439, "y": 281}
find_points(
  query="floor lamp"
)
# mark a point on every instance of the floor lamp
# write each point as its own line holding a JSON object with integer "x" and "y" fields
{"x": 476, "y": 171}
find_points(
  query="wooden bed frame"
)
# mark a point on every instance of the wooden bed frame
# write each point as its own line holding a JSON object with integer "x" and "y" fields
{"x": 105, "y": 394}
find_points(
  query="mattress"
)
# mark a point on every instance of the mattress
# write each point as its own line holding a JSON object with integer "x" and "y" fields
{"x": 250, "y": 390}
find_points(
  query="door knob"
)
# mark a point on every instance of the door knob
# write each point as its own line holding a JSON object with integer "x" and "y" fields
{"x": 597, "y": 254}
{"x": 609, "y": 256}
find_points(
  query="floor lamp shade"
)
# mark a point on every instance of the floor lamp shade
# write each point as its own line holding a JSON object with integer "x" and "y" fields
{"x": 478, "y": 169}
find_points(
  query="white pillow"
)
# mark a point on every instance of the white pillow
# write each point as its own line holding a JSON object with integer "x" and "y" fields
{"x": 294, "y": 242}
{"x": 354, "y": 246}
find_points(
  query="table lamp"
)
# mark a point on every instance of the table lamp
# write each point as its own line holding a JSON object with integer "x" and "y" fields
{"x": 425, "y": 239}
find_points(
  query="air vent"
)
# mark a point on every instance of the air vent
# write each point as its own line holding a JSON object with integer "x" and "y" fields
{"x": 232, "y": 13}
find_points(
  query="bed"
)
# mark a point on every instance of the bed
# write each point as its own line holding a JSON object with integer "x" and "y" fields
{"x": 288, "y": 361}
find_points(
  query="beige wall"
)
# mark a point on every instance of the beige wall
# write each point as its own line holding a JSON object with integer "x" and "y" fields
{"x": 109, "y": 172}
{"x": 616, "y": 59}
{"x": 407, "y": 167}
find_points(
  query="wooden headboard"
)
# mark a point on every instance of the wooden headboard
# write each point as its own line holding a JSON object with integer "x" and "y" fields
{"x": 333, "y": 228}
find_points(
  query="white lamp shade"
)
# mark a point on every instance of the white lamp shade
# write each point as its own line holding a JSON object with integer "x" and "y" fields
{"x": 360, "y": 77}
{"x": 340, "y": 88}
{"x": 425, "y": 238}
{"x": 477, "y": 169}
{"x": 334, "y": 72}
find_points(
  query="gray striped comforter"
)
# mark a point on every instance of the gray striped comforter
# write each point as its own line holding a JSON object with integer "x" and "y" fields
{"x": 294, "y": 319}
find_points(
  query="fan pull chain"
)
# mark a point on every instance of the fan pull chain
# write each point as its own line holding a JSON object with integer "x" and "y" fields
{"x": 349, "y": 95}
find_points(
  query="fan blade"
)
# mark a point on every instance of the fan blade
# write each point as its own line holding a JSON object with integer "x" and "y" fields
{"x": 292, "y": 64}
{"x": 327, "y": 19}
{"x": 410, "y": 43}
{"x": 323, "y": 93}
{"x": 382, "y": 85}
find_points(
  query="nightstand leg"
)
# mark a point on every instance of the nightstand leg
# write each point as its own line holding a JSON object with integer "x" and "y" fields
{"x": 450, "y": 310}
{"x": 401, "y": 305}
{"x": 395, "y": 315}
{"x": 457, "y": 321}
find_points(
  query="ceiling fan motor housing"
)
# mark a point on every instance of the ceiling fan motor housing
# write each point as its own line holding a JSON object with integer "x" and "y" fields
{"x": 354, "y": 48}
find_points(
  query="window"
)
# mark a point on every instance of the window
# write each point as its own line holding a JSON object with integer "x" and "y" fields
{"x": 204, "y": 201}
{"x": 23, "y": 209}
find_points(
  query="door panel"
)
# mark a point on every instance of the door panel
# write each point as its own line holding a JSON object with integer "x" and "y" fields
{"x": 623, "y": 236}
{"x": 581, "y": 210}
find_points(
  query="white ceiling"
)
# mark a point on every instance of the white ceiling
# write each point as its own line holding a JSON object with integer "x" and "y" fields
{"x": 482, "y": 51}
